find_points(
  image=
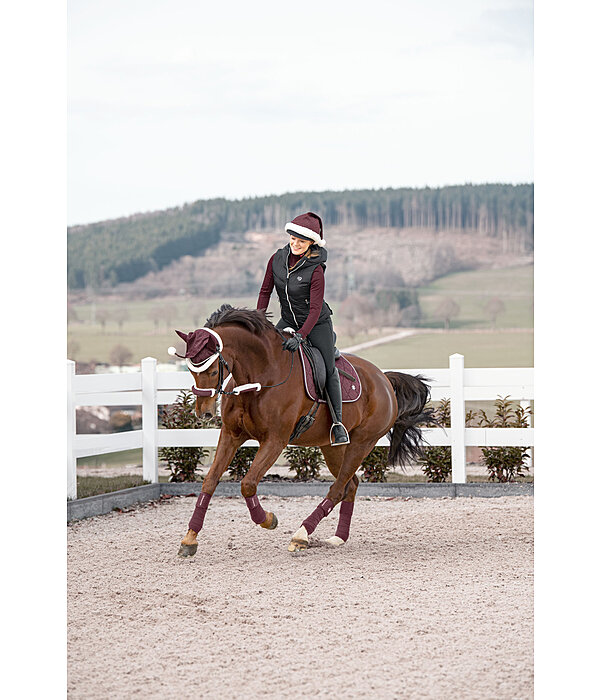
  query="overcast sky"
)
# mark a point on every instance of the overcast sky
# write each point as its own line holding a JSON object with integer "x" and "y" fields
{"x": 170, "y": 102}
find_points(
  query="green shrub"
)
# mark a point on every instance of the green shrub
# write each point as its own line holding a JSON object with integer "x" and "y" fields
{"x": 241, "y": 462}
{"x": 505, "y": 463}
{"x": 183, "y": 461}
{"x": 375, "y": 467}
{"x": 305, "y": 461}
{"x": 436, "y": 462}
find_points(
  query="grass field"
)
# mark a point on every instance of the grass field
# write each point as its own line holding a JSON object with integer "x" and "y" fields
{"x": 481, "y": 349}
{"x": 472, "y": 290}
{"x": 88, "y": 340}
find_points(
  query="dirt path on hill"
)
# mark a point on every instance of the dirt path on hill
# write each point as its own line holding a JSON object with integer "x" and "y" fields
{"x": 430, "y": 598}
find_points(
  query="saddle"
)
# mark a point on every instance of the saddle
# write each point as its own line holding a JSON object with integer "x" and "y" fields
{"x": 314, "y": 372}
{"x": 313, "y": 369}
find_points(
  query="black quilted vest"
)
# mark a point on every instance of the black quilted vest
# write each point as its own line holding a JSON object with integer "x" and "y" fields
{"x": 293, "y": 286}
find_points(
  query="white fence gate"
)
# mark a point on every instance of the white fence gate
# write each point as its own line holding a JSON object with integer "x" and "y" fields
{"x": 150, "y": 388}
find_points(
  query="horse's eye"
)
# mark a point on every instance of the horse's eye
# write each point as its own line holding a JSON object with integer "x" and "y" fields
{"x": 213, "y": 374}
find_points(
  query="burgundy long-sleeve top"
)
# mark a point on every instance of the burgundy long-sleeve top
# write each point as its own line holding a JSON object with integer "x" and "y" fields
{"x": 317, "y": 292}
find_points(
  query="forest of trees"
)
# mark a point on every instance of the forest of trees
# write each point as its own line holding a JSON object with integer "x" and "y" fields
{"x": 122, "y": 250}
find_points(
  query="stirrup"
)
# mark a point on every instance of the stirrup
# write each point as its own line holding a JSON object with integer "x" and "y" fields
{"x": 345, "y": 440}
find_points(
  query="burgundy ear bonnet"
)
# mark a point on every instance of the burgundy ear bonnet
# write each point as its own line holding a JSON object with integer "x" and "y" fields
{"x": 202, "y": 345}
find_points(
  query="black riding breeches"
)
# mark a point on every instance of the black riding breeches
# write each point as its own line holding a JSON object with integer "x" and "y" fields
{"x": 322, "y": 336}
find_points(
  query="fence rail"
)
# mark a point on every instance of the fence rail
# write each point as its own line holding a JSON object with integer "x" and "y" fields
{"x": 150, "y": 388}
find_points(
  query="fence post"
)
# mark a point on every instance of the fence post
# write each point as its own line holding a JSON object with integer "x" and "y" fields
{"x": 149, "y": 421}
{"x": 71, "y": 432}
{"x": 457, "y": 418}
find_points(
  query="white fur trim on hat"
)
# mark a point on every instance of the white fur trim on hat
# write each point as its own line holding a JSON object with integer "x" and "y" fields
{"x": 291, "y": 227}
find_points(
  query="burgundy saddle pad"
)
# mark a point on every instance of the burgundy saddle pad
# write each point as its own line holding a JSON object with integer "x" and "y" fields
{"x": 351, "y": 388}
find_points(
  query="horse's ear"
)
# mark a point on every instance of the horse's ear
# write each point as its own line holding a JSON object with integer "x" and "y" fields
{"x": 183, "y": 336}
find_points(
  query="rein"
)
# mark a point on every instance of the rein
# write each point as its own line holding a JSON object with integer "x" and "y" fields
{"x": 220, "y": 388}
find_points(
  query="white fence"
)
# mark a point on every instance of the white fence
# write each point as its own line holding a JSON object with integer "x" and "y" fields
{"x": 150, "y": 388}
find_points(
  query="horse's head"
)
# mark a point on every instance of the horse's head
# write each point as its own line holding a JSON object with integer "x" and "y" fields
{"x": 203, "y": 350}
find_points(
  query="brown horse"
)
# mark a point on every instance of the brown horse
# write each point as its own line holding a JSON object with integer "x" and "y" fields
{"x": 249, "y": 349}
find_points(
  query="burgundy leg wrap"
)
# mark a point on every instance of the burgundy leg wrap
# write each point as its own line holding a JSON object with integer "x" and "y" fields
{"x": 199, "y": 512}
{"x": 343, "y": 528}
{"x": 257, "y": 513}
{"x": 323, "y": 509}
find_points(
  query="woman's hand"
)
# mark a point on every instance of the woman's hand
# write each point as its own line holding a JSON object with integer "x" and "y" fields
{"x": 293, "y": 343}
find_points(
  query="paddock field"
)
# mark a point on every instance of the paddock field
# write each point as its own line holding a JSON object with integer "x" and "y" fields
{"x": 430, "y": 598}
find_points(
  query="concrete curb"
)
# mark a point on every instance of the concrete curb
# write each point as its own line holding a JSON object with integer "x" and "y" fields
{"x": 105, "y": 503}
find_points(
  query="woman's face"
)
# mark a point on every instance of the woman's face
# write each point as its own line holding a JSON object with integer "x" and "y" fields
{"x": 298, "y": 245}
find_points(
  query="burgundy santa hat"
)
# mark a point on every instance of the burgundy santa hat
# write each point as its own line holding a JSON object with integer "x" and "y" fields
{"x": 307, "y": 226}
{"x": 202, "y": 348}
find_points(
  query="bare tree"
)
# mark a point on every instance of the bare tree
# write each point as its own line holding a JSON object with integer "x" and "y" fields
{"x": 446, "y": 311}
{"x": 121, "y": 315}
{"x": 494, "y": 307}
{"x": 357, "y": 312}
{"x": 102, "y": 316}
{"x": 120, "y": 355}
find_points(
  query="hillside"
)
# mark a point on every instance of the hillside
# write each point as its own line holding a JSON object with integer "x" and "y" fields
{"x": 145, "y": 326}
{"x": 424, "y": 233}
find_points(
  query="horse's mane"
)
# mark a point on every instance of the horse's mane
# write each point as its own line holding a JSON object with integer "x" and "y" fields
{"x": 255, "y": 320}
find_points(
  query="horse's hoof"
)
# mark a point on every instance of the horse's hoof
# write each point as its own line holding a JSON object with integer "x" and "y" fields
{"x": 187, "y": 550}
{"x": 297, "y": 547}
{"x": 270, "y": 522}
{"x": 299, "y": 541}
{"x": 335, "y": 541}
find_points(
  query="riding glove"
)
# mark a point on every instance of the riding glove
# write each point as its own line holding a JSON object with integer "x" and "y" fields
{"x": 293, "y": 343}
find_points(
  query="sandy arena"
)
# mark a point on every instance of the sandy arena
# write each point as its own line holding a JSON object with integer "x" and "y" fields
{"x": 430, "y": 598}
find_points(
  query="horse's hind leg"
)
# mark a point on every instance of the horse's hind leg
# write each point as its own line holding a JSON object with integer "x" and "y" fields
{"x": 345, "y": 518}
{"x": 334, "y": 459}
{"x": 344, "y": 487}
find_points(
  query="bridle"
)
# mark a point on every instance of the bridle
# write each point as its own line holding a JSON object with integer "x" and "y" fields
{"x": 219, "y": 390}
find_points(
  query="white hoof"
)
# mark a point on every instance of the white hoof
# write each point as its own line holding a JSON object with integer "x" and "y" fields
{"x": 335, "y": 541}
{"x": 299, "y": 540}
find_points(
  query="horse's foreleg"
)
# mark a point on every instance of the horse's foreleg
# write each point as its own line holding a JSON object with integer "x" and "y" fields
{"x": 263, "y": 461}
{"x": 226, "y": 449}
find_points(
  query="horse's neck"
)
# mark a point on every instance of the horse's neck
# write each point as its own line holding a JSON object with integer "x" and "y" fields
{"x": 253, "y": 356}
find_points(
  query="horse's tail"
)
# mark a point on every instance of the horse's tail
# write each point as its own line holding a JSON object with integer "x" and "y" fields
{"x": 406, "y": 439}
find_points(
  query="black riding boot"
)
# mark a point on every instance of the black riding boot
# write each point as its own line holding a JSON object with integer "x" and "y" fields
{"x": 338, "y": 435}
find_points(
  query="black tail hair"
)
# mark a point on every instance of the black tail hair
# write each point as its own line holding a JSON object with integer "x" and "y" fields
{"x": 406, "y": 438}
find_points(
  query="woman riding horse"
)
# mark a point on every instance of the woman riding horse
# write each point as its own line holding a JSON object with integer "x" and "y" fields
{"x": 237, "y": 356}
{"x": 297, "y": 271}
